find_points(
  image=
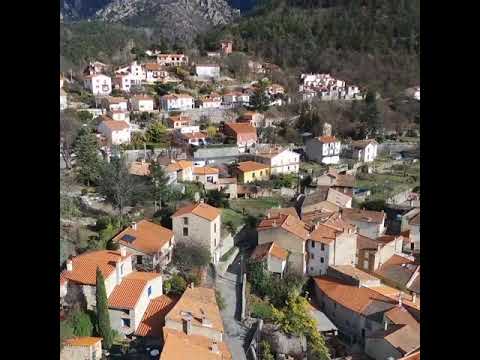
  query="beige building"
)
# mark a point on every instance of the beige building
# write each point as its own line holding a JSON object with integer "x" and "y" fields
{"x": 82, "y": 348}
{"x": 150, "y": 245}
{"x": 372, "y": 253}
{"x": 369, "y": 223}
{"x": 183, "y": 169}
{"x": 280, "y": 161}
{"x": 290, "y": 234}
{"x": 199, "y": 224}
{"x": 324, "y": 198}
{"x": 273, "y": 256}
{"x": 331, "y": 244}
{"x": 206, "y": 175}
{"x": 415, "y": 234}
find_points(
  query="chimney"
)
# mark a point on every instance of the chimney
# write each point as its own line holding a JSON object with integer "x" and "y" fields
{"x": 385, "y": 325}
{"x": 134, "y": 225}
{"x": 214, "y": 347}
{"x": 274, "y": 224}
{"x": 414, "y": 297}
{"x": 123, "y": 251}
{"x": 268, "y": 215}
{"x": 69, "y": 265}
{"x": 202, "y": 201}
{"x": 187, "y": 324}
{"x": 400, "y": 299}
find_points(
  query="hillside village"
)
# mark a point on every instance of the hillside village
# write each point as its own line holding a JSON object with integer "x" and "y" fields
{"x": 198, "y": 221}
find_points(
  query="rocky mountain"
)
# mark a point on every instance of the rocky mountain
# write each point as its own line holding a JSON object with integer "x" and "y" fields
{"x": 175, "y": 20}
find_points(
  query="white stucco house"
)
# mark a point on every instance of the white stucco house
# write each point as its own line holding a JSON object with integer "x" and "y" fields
{"x": 324, "y": 149}
{"x": 116, "y": 132}
{"x": 199, "y": 224}
{"x": 369, "y": 223}
{"x": 281, "y": 161}
{"x": 142, "y": 103}
{"x": 207, "y": 71}
{"x": 273, "y": 256}
{"x": 177, "y": 102}
{"x": 98, "y": 84}
{"x": 364, "y": 150}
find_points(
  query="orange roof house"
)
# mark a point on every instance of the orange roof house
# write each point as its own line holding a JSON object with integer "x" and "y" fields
{"x": 127, "y": 294}
{"x": 200, "y": 209}
{"x": 198, "y": 306}
{"x": 154, "y": 317}
{"x": 145, "y": 236}
{"x": 244, "y": 134}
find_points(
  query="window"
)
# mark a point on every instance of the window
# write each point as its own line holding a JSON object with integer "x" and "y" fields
{"x": 126, "y": 322}
{"x": 139, "y": 259}
{"x": 198, "y": 178}
{"x": 322, "y": 260}
{"x": 313, "y": 244}
{"x": 322, "y": 247}
{"x": 363, "y": 333}
{"x": 312, "y": 256}
{"x": 311, "y": 268}
{"x": 149, "y": 291}
{"x": 412, "y": 245}
{"x": 121, "y": 269}
{"x": 334, "y": 305}
{"x": 215, "y": 228}
{"x": 185, "y": 221}
{"x": 261, "y": 173}
{"x": 185, "y": 231}
{"x": 253, "y": 175}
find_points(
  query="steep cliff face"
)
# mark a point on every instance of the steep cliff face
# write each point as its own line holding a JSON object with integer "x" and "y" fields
{"x": 80, "y": 9}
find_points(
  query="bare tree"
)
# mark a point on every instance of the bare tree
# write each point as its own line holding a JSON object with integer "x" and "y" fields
{"x": 69, "y": 127}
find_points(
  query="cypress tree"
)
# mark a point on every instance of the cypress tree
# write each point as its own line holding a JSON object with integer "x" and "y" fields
{"x": 103, "y": 319}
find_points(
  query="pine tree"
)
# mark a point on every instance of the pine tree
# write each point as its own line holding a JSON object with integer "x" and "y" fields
{"x": 103, "y": 319}
{"x": 88, "y": 161}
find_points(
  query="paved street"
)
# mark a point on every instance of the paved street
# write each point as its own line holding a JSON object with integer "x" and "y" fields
{"x": 230, "y": 288}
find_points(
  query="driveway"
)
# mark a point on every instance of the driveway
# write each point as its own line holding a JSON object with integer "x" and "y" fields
{"x": 230, "y": 287}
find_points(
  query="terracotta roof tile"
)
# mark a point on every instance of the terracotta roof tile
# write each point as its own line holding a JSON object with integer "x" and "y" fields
{"x": 324, "y": 233}
{"x": 128, "y": 292}
{"x": 205, "y": 170}
{"x": 82, "y": 341}
{"x": 288, "y": 223}
{"x": 357, "y": 299}
{"x": 327, "y": 139}
{"x": 401, "y": 316}
{"x": 195, "y": 135}
{"x": 179, "y": 346}
{"x": 402, "y": 337}
{"x": 200, "y": 209}
{"x": 278, "y": 252}
{"x": 246, "y": 166}
{"x": 152, "y": 67}
{"x": 199, "y": 301}
{"x": 241, "y": 128}
{"x": 85, "y": 266}
{"x": 149, "y": 237}
{"x": 154, "y": 317}
{"x": 363, "y": 215}
{"x": 115, "y": 125}
{"x": 285, "y": 211}
{"x": 139, "y": 168}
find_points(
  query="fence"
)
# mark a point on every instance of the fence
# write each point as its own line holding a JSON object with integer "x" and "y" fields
{"x": 252, "y": 351}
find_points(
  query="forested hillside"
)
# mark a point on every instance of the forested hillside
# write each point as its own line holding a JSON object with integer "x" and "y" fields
{"x": 374, "y": 43}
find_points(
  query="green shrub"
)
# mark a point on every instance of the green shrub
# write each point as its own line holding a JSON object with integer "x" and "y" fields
{"x": 81, "y": 323}
{"x": 176, "y": 285}
{"x": 262, "y": 310}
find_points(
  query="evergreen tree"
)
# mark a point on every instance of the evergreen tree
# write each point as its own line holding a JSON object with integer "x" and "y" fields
{"x": 159, "y": 180}
{"x": 103, "y": 318}
{"x": 88, "y": 161}
{"x": 260, "y": 100}
{"x": 371, "y": 116}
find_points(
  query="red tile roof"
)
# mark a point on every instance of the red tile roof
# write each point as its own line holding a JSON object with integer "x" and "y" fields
{"x": 287, "y": 222}
{"x": 115, "y": 125}
{"x": 85, "y": 266}
{"x": 200, "y": 209}
{"x": 354, "y": 298}
{"x": 205, "y": 170}
{"x": 261, "y": 251}
{"x": 241, "y": 128}
{"x": 327, "y": 139}
{"x": 246, "y": 166}
{"x": 364, "y": 215}
{"x": 82, "y": 341}
{"x": 324, "y": 234}
{"x": 149, "y": 237}
{"x": 154, "y": 317}
{"x": 127, "y": 294}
